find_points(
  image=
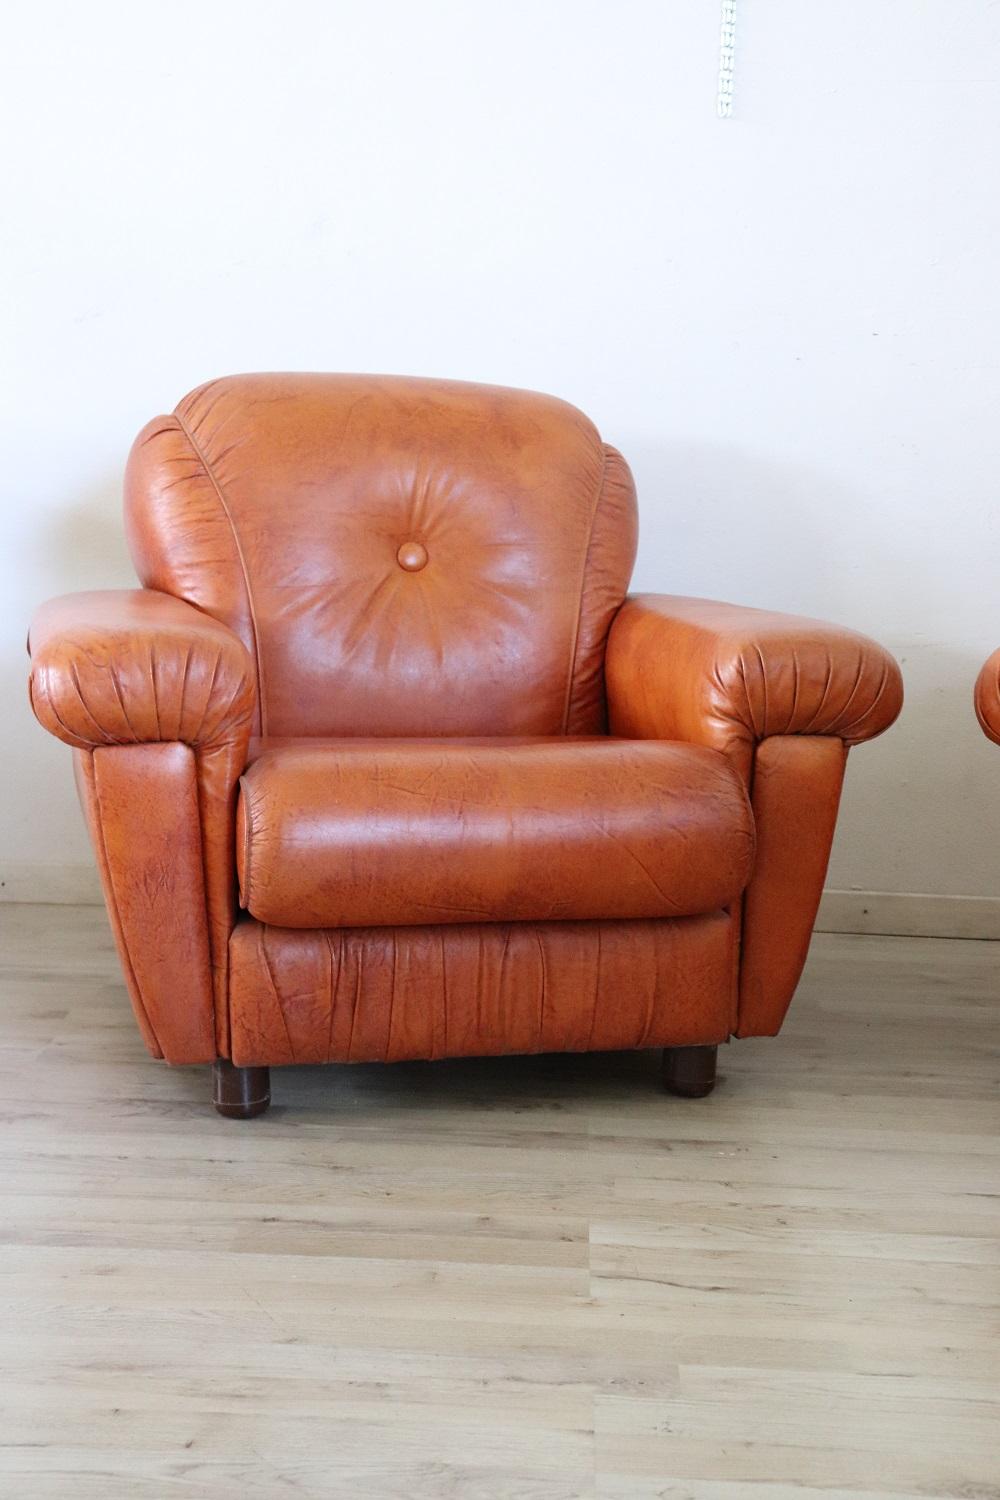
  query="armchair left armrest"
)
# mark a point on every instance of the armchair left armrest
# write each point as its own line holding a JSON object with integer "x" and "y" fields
{"x": 784, "y": 698}
{"x": 132, "y": 667}
{"x": 157, "y": 700}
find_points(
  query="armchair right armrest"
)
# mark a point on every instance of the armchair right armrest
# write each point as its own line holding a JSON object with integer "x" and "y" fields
{"x": 729, "y": 677}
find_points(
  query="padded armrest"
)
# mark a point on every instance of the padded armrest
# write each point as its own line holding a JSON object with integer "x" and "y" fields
{"x": 988, "y": 697}
{"x": 783, "y": 697}
{"x": 157, "y": 700}
{"x": 727, "y": 676}
{"x": 132, "y": 666}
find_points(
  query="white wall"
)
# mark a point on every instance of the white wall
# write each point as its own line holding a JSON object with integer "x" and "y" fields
{"x": 787, "y": 320}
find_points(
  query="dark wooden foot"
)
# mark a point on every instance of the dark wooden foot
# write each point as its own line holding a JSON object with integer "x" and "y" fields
{"x": 689, "y": 1071}
{"x": 240, "y": 1093}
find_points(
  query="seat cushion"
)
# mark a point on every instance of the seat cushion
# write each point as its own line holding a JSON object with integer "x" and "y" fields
{"x": 373, "y": 833}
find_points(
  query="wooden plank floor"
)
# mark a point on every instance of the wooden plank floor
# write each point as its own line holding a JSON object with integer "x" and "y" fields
{"x": 540, "y": 1278}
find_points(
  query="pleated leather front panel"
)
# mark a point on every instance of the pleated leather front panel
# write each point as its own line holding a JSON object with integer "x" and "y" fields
{"x": 481, "y": 990}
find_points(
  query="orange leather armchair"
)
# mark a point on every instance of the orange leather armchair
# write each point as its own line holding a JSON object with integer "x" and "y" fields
{"x": 382, "y": 763}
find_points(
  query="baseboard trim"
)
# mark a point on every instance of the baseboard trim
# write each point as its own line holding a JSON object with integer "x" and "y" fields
{"x": 887, "y": 913}
{"x": 909, "y": 914}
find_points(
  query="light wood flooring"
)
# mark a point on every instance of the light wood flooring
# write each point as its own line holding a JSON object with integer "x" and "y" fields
{"x": 540, "y": 1278}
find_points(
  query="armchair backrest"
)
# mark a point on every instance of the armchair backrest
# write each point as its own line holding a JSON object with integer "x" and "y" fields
{"x": 400, "y": 557}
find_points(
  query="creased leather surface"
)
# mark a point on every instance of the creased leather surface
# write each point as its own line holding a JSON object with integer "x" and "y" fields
{"x": 141, "y": 807}
{"x": 727, "y": 676}
{"x": 389, "y": 994}
{"x": 782, "y": 697}
{"x": 280, "y": 504}
{"x": 410, "y": 831}
{"x": 86, "y": 790}
{"x": 131, "y": 666}
{"x": 988, "y": 697}
{"x": 607, "y": 570}
{"x": 797, "y": 781}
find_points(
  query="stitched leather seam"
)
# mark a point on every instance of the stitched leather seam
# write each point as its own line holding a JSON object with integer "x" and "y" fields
{"x": 216, "y": 961}
{"x": 354, "y": 1012}
{"x": 847, "y": 729}
{"x": 222, "y": 960}
{"x": 108, "y": 739}
{"x": 740, "y": 903}
{"x": 274, "y": 990}
{"x": 210, "y": 473}
{"x": 331, "y": 986}
{"x": 113, "y": 894}
{"x": 40, "y": 683}
{"x": 583, "y": 584}
{"x": 242, "y": 792}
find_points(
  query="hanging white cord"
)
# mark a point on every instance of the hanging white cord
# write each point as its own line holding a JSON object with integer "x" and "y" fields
{"x": 727, "y": 60}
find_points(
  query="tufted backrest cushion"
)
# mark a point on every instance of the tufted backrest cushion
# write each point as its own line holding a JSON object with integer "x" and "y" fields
{"x": 400, "y": 557}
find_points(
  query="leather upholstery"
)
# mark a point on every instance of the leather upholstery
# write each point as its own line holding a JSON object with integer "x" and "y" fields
{"x": 388, "y": 994}
{"x": 129, "y": 667}
{"x": 360, "y": 834}
{"x": 767, "y": 690}
{"x": 988, "y": 697}
{"x": 141, "y": 807}
{"x": 796, "y": 793}
{"x": 133, "y": 666}
{"x": 342, "y": 566}
{"x": 280, "y": 503}
{"x": 726, "y": 676}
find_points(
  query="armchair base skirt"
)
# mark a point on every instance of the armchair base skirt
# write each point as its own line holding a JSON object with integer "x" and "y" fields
{"x": 393, "y": 994}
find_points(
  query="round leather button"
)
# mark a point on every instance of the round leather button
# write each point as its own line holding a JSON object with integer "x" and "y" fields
{"x": 412, "y": 556}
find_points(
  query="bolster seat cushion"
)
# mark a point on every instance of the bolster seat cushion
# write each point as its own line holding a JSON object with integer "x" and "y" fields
{"x": 405, "y": 832}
